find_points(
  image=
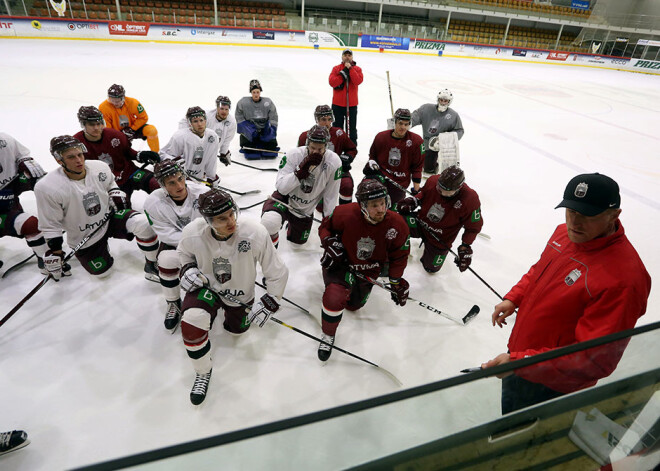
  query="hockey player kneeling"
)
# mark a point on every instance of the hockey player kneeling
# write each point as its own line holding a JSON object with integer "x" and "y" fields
{"x": 78, "y": 198}
{"x": 360, "y": 237}
{"x": 219, "y": 256}
{"x": 447, "y": 205}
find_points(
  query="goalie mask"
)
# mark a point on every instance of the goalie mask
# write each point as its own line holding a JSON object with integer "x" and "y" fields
{"x": 254, "y": 84}
{"x": 445, "y": 97}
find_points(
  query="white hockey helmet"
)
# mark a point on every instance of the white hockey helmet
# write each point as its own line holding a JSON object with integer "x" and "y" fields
{"x": 445, "y": 97}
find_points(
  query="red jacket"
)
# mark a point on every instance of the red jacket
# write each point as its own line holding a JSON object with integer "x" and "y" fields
{"x": 577, "y": 292}
{"x": 336, "y": 80}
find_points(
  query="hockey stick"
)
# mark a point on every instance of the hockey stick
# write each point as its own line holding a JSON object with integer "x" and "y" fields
{"x": 428, "y": 230}
{"x": 18, "y": 265}
{"x": 263, "y": 150}
{"x": 9, "y": 182}
{"x": 274, "y": 319}
{"x": 49, "y": 276}
{"x": 464, "y": 321}
{"x": 255, "y": 168}
{"x": 389, "y": 89}
{"x": 348, "y": 112}
{"x": 253, "y": 205}
{"x": 242, "y": 193}
{"x": 295, "y": 212}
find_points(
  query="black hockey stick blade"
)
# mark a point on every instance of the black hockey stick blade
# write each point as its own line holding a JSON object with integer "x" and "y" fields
{"x": 253, "y": 167}
{"x": 252, "y": 205}
{"x": 471, "y": 314}
{"x": 16, "y": 266}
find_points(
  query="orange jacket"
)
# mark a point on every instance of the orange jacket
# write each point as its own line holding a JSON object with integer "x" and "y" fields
{"x": 131, "y": 114}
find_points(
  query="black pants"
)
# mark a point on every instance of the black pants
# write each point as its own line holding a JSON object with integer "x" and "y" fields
{"x": 518, "y": 393}
{"x": 340, "y": 116}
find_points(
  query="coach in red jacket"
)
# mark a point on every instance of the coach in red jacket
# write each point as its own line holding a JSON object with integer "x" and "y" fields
{"x": 344, "y": 80}
{"x": 589, "y": 282}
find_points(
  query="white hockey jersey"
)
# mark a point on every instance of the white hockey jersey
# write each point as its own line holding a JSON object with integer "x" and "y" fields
{"x": 199, "y": 154}
{"x": 323, "y": 182}
{"x": 168, "y": 218}
{"x": 230, "y": 265}
{"x": 225, "y": 129}
{"x": 74, "y": 206}
{"x": 10, "y": 151}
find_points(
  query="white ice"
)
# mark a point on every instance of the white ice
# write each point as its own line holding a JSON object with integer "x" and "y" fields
{"x": 86, "y": 366}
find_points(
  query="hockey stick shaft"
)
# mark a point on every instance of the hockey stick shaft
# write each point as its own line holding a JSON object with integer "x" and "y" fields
{"x": 253, "y": 167}
{"x": 253, "y": 205}
{"x": 302, "y": 332}
{"x": 264, "y": 150}
{"x": 348, "y": 110}
{"x": 49, "y": 276}
{"x": 10, "y": 181}
{"x": 251, "y": 192}
{"x": 287, "y": 300}
{"x": 400, "y": 187}
{"x": 473, "y": 311}
{"x": 17, "y": 265}
{"x": 295, "y": 212}
{"x": 389, "y": 89}
{"x": 428, "y": 230}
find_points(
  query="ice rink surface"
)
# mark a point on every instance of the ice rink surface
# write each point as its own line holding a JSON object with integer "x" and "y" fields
{"x": 86, "y": 366}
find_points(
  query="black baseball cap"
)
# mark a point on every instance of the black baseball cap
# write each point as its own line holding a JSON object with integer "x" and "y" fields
{"x": 590, "y": 194}
{"x": 347, "y": 51}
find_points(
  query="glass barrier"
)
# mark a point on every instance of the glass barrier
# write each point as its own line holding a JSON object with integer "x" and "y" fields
{"x": 460, "y": 420}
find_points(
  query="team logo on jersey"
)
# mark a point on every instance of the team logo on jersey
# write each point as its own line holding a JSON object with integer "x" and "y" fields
{"x": 408, "y": 143}
{"x": 182, "y": 222}
{"x": 436, "y": 213}
{"x": 449, "y": 116}
{"x": 394, "y": 157}
{"x": 339, "y": 132}
{"x": 115, "y": 142}
{"x": 91, "y": 203}
{"x": 365, "y": 248}
{"x": 198, "y": 155}
{"x": 391, "y": 234}
{"x": 266, "y": 103}
{"x": 211, "y": 139}
{"x": 572, "y": 277}
{"x": 244, "y": 246}
{"x": 581, "y": 190}
{"x": 3, "y": 143}
{"x": 102, "y": 176}
{"x": 307, "y": 184}
{"x": 221, "y": 269}
{"x": 458, "y": 204}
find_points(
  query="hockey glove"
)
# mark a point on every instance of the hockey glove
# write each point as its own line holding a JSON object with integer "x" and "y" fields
{"x": 400, "y": 288}
{"x": 334, "y": 253}
{"x": 118, "y": 200}
{"x": 248, "y": 129}
{"x": 53, "y": 263}
{"x": 268, "y": 133}
{"x": 464, "y": 257}
{"x": 305, "y": 167}
{"x": 434, "y": 144}
{"x": 346, "y": 161}
{"x": 345, "y": 73}
{"x": 213, "y": 182}
{"x": 263, "y": 309}
{"x": 407, "y": 206}
{"x": 192, "y": 278}
{"x": 30, "y": 168}
{"x": 371, "y": 168}
{"x": 148, "y": 157}
{"x": 225, "y": 158}
{"x": 415, "y": 192}
{"x": 129, "y": 133}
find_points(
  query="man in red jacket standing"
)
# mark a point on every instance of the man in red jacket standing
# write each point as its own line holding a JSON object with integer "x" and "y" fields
{"x": 344, "y": 80}
{"x": 559, "y": 305}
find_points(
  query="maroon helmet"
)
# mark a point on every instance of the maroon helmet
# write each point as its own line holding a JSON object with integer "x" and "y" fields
{"x": 214, "y": 202}
{"x": 195, "y": 112}
{"x": 222, "y": 100}
{"x": 60, "y": 144}
{"x": 402, "y": 114}
{"x": 254, "y": 83}
{"x": 166, "y": 168}
{"x": 371, "y": 189}
{"x": 323, "y": 110}
{"x": 451, "y": 179}
{"x": 318, "y": 134}
{"x": 116, "y": 91}
{"x": 89, "y": 114}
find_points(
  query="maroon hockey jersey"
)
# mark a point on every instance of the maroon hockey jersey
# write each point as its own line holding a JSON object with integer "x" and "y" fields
{"x": 446, "y": 216}
{"x": 341, "y": 143}
{"x": 400, "y": 159}
{"x": 369, "y": 246}
{"x": 113, "y": 149}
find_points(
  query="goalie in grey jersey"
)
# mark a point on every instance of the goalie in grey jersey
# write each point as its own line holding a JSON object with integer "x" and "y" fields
{"x": 218, "y": 257}
{"x": 442, "y": 129}
{"x": 170, "y": 209}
